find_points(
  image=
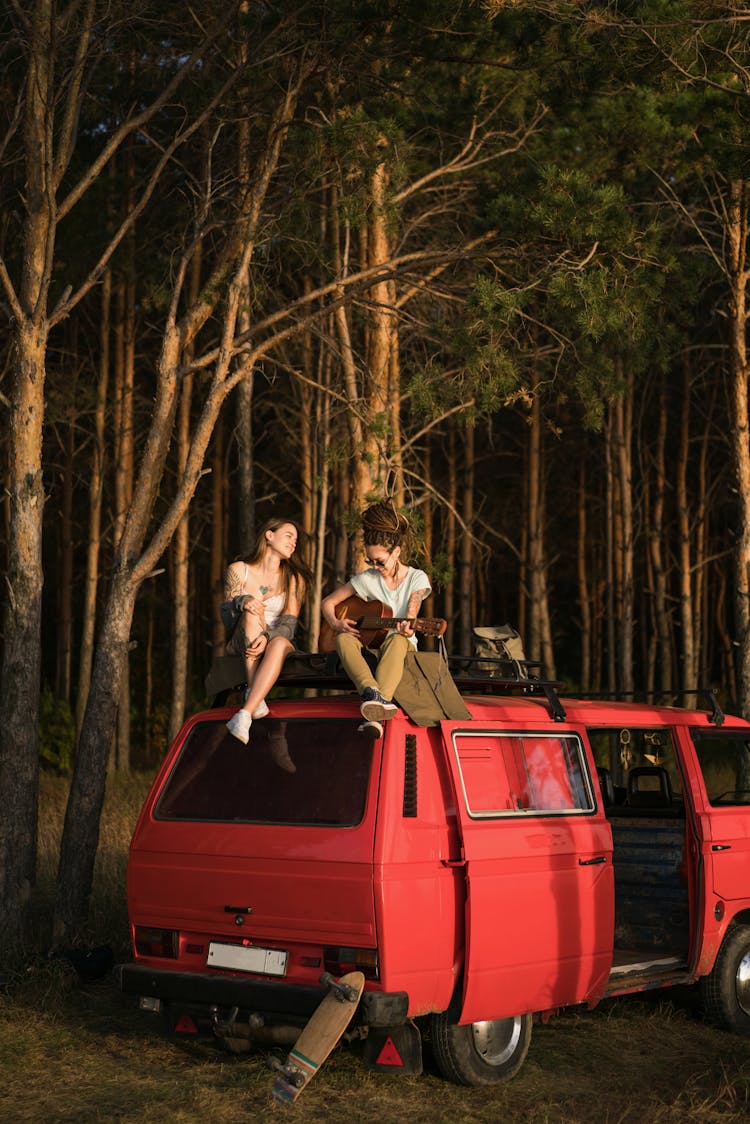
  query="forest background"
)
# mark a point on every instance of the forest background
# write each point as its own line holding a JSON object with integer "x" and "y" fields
{"x": 281, "y": 258}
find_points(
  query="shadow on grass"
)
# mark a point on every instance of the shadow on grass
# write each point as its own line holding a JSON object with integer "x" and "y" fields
{"x": 89, "y": 1054}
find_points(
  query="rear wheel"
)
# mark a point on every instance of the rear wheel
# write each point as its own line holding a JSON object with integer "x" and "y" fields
{"x": 483, "y": 1053}
{"x": 726, "y": 989}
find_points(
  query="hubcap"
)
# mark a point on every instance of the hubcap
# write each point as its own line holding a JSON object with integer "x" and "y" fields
{"x": 496, "y": 1041}
{"x": 742, "y": 983}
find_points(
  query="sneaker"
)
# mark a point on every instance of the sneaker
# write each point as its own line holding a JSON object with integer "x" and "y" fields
{"x": 374, "y": 729}
{"x": 239, "y": 726}
{"x": 261, "y": 710}
{"x": 374, "y": 707}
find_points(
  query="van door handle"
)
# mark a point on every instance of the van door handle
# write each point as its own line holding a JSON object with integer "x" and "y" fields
{"x": 721, "y": 847}
{"x": 593, "y": 862}
{"x": 453, "y": 862}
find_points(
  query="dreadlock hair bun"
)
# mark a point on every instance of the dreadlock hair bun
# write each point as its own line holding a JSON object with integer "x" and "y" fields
{"x": 382, "y": 525}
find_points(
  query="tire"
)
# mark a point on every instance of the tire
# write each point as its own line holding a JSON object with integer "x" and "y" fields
{"x": 483, "y": 1053}
{"x": 726, "y": 989}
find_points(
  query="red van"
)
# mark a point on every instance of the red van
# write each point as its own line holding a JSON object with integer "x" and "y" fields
{"x": 541, "y": 853}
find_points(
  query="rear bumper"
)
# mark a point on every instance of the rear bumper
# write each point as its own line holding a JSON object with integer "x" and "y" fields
{"x": 275, "y": 1000}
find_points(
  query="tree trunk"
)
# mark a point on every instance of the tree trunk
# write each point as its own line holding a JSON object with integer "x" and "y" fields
{"x": 123, "y": 483}
{"x": 611, "y": 545}
{"x": 243, "y": 516}
{"x": 466, "y": 546}
{"x": 243, "y": 533}
{"x": 428, "y": 538}
{"x": 540, "y": 638}
{"x": 379, "y": 338}
{"x": 689, "y": 675}
{"x": 181, "y": 575}
{"x": 218, "y": 559}
{"x": 309, "y": 418}
{"x": 181, "y": 543}
{"x": 22, "y": 613}
{"x": 360, "y": 452}
{"x": 148, "y": 694}
{"x": 522, "y": 611}
{"x": 702, "y": 636}
{"x": 737, "y": 232}
{"x": 721, "y": 612}
{"x": 622, "y": 410}
{"x": 323, "y": 444}
{"x": 450, "y": 541}
{"x": 656, "y": 539}
{"x": 65, "y": 566}
{"x": 397, "y": 483}
{"x": 81, "y": 828}
{"x": 22, "y": 618}
{"x": 96, "y": 485}
{"x": 584, "y": 600}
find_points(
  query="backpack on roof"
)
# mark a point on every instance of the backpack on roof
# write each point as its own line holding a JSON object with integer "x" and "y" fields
{"x": 499, "y": 642}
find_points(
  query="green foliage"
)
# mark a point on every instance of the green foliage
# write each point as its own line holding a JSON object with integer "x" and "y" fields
{"x": 57, "y": 732}
{"x": 440, "y": 569}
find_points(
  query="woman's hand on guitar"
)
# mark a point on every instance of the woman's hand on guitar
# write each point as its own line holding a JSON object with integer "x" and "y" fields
{"x": 346, "y": 624}
{"x": 405, "y": 627}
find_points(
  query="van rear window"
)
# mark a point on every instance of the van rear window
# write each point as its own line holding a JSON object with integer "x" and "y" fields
{"x": 295, "y": 771}
{"x": 518, "y": 774}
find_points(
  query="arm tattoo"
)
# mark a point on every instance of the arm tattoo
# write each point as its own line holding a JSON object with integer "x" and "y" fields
{"x": 415, "y": 602}
{"x": 232, "y": 584}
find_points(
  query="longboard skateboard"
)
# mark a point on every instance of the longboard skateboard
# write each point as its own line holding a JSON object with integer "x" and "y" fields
{"x": 327, "y": 1023}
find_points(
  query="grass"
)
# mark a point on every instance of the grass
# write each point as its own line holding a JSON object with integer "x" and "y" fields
{"x": 72, "y": 1052}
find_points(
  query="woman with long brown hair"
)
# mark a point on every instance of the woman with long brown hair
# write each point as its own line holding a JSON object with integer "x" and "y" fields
{"x": 263, "y": 595}
{"x": 403, "y": 588}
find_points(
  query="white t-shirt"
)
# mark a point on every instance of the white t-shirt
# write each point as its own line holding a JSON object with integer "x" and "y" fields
{"x": 370, "y": 586}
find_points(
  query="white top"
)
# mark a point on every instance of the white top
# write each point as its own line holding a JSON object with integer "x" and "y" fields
{"x": 272, "y": 605}
{"x": 370, "y": 586}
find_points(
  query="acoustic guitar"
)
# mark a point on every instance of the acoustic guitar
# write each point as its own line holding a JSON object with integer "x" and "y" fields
{"x": 374, "y": 620}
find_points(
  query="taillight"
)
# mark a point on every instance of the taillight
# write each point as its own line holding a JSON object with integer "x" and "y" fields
{"x": 338, "y": 961}
{"x": 156, "y": 942}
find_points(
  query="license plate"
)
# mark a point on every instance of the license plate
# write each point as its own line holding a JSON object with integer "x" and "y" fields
{"x": 241, "y": 958}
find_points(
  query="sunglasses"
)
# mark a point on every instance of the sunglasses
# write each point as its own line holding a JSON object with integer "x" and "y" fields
{"x": 377, "y": 563}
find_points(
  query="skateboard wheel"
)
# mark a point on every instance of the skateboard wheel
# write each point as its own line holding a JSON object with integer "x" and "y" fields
{"x": 341, "y": 991}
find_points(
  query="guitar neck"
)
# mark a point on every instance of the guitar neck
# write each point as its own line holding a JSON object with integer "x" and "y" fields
{"x": 389, "y": 622}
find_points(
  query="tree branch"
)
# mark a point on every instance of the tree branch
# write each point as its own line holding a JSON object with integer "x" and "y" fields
{"x": 139, "y": 120}
{"x": 10, "y": 291}
{"x": 73, "y": 101}
{"x": 65, "y": 307}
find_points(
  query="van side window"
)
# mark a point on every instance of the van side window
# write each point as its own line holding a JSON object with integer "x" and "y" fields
{"x": 725, "y": 764}
{"x": 642, "y": 765}
{"x": 508, "y": 774}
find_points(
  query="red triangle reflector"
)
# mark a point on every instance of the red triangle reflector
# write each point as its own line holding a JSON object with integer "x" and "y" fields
{"x": 185, "y": 1025}
{"x": 389, "y": 1055}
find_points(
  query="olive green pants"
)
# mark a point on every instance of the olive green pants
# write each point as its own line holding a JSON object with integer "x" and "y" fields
{"x": 390, "y": 666}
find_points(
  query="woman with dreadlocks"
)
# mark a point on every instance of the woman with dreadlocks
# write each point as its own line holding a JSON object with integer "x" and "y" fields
{"x": 390, "y": 580}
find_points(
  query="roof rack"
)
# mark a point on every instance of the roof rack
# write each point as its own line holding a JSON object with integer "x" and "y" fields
{"x": 716, "y": 714}
{"x": 503, "y": 675}
{"x": 481, "y": 674}
{"x": 300, "y": 669}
